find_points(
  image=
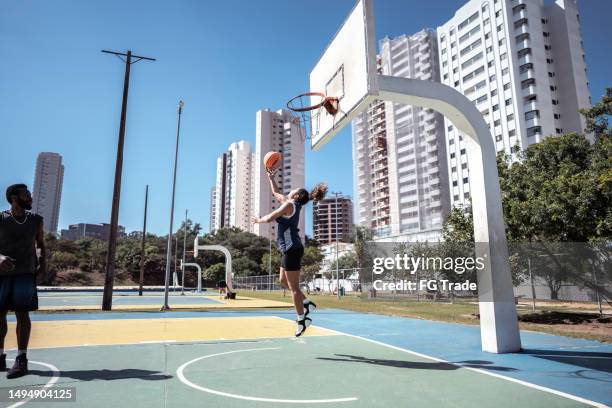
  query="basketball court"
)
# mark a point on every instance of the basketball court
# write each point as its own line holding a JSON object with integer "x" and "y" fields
{"x": 62, "y": 300}
{"x": 251, "y": 359}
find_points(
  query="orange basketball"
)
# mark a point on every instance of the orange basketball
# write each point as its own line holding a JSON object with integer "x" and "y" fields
{"x": 272, "y": 160}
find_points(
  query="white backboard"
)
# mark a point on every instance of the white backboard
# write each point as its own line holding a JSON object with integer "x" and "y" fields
{"x": 346, "y": 70}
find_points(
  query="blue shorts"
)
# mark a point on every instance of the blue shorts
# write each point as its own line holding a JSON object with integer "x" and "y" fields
{"x": 18, "y": 293}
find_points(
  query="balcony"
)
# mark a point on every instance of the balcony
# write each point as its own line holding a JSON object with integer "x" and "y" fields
{"x": 530, "y": 106}
{"x": 526, "y": 43}
{"x": 528, "y": 91}
{"x": 528, "y": 74}
{"x": 535, "y": 121}
{"x": 526, "y": 59}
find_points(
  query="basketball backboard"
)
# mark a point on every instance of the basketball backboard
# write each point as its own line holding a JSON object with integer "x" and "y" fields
{"x": 346, "y": 70}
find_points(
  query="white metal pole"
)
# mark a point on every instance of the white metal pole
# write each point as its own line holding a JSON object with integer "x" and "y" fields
{"x": 184, "y": 247}
{"x": 169, "y": 248}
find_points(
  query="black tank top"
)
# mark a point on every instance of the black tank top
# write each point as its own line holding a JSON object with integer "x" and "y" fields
{"x": 17, "y": 240}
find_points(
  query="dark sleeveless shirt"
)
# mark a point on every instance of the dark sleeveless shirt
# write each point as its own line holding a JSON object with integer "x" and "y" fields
{"x": 288, "y": 231}
{"x": 18, "y": 241}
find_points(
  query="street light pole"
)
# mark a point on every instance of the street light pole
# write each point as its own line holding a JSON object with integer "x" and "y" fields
{"x": 184, "y": 247}
{"x": 169, "y": 247}
{"x": 142, "y": 245}
{"x": 337, "y": 250}
{"x": 107, "y": 298}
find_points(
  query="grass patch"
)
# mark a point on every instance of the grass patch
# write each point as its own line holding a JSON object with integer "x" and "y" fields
{"x": 542, "y": 320}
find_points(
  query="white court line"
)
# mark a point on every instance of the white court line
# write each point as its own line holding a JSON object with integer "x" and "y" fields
{"x": 50, "y": 383}
{"x": 478, "y": 370}
{"x": 181, "y": 376}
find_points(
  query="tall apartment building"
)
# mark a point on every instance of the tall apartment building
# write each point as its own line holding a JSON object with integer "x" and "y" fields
{"x": 399, "y": 151}
{"x": 522, "y": 64}
{"x": 280, "y": 131}
{"x": 233, "y": 190}
{"x": 213, "y": 209}
{"x": 332, "y": 220}
{"x": 47, "y": 194}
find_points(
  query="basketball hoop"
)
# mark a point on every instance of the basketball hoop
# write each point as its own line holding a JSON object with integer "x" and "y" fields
{"x": 310, "y": 112}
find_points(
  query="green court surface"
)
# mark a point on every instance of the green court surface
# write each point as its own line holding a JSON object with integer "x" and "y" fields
{"x": 334, "y": 370}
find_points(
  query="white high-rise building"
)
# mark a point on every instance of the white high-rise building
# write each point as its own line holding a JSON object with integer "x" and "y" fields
{"x": 232, "y": 197}
{"x": 47, "y": 194}
{"x": 522, "y": 64}
{"x": 213, "y": 209}
{"x": 279, "y": 131}
{"x": 399, "y": 151}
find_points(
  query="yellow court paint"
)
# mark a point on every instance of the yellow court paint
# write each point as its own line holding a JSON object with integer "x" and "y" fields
{"x": 133, "y": 331}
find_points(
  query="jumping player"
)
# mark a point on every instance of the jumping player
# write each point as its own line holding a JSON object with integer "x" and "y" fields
{"x": 288, "y": 216}
{"x": 21, "y": 233}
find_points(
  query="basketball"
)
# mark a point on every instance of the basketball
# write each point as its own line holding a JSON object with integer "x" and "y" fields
{"x": 272, "y": 160}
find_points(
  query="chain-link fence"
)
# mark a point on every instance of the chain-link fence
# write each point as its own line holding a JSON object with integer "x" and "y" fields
{"x": 556, "y": 272}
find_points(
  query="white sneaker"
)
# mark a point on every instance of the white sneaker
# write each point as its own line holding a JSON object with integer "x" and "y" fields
{"x": 302, "y": 325}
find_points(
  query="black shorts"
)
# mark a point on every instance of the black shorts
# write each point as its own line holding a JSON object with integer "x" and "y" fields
{"x": 18, "y": 293}
{"x": 292, "y": 259}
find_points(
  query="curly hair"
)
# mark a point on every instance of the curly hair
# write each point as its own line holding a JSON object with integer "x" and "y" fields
{"x": 14, "y": 190}
{"x": 316, "y": 194}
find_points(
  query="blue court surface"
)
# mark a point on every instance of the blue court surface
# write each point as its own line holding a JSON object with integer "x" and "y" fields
{"x": 249, "y": 359}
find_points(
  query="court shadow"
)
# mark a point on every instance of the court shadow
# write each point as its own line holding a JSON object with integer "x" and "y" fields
{"x": 591, "y": 360}
{"x": 417, "y": 364}
{"x": 107, "y": 375}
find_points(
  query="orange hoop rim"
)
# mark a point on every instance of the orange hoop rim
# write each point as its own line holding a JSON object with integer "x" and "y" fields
{"x": 307, "y": 108}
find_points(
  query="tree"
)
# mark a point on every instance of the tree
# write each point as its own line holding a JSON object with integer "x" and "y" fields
{"x": 215, "y": 273}
{"x": 311, "y": 262}
{"x": 596, "y": 117}
{"x": 361, "y": 238}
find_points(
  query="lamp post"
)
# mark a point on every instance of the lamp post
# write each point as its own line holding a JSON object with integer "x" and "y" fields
{"x": 169, "y": 248}
{"x": 184, "y": 247}
{"x": 336, "y": 194}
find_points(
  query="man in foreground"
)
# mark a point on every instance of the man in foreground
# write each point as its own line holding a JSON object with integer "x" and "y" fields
{"x": 21, "y": 233}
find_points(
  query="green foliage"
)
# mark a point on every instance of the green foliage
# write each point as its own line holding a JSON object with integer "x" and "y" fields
{"x": 215, "y": 272}
{"x": 596, "y": 117}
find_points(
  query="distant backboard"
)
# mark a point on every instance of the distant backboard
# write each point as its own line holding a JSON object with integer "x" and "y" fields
{"x": 346, "y": 70}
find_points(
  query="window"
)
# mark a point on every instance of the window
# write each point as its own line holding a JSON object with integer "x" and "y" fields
{"x": 495, "y": 108}
{"x": 503, "y": 56}
{"x": 490, "y": 64}
{"x": 472, "y": 60}
{"x": 512, "y": 133}
{"x": 522, "y": 37}
{"x": 489, "y": 49}
{"x": 500, "y": 27}
{"x": 532, "y": 114}
{"x": 452, "y": 155}
{"x": 481, "y": 99}
{"x": 508, "y": 101}
{"x": 454, "y": 57}
{"x": 557, "y": 116}
{"x": 527, "y": 83}
{"x": 535, "y": 130}
{"x": 510, "y": 117}
{"x": 519, "y": 23}
{"x": 549, "y": 60}
{"x": 464, "y": 166}
{"x": 498, "y": 13}
{"x": 455, "y": 70}
{"x": 501, "y": 42}
{"x": 525, "y": 67}
{"x": 492, "y": 78}
{"x": 546, "y": 34}
{"x": 551, "y": 74}
{"x": 498, "y": 138}
{"x": 465, "y": 180}
{"x": 470, "y": 47}
{"x": 524, "y": 52}
{"x": 497, "y": 123}
{"x": 559, "y": 131}
{"x": 505, "y": 71}
{"x": 555, "y": 101}
{"x": 547, "y": 47}
{"x": 456, "y": 83}
{"x": 506, "y": 86}
{"x": 494, "y": 92}
{"x": 467, "y": 21}
{"x": 467, "y": 35}
{"x": 443, "y": 51}
{"x": 450, "y": 127}
{"x": 472, "y": 74}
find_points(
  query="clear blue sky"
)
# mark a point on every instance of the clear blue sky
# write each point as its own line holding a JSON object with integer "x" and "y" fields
{"x": 225, "y": 59}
